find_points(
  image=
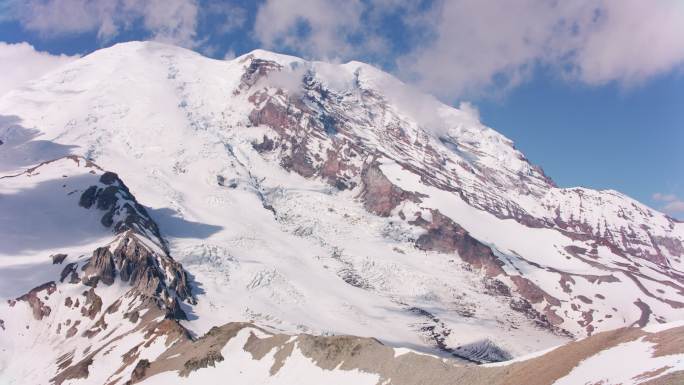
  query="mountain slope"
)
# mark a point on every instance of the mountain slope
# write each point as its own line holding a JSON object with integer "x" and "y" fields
{"x": 108, "y": 295}
{"x": 308, "y": 197}
{"x": 251, "y": 354}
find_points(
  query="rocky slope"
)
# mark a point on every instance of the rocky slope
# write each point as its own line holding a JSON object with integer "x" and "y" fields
{"x": 248, "y": 353}
{"x": 300, "y": 197}
{"x": 125, "y": 292}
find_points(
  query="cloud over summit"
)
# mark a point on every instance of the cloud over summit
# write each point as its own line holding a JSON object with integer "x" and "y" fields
{"x": 21, "y": 62}
{"x": 451, "y": 48}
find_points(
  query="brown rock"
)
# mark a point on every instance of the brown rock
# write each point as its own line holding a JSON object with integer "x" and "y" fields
{"x": 58, "y": 258}
{"x": 379, "y": 195}
{"x": 445, "y": 236}
{"x": 39, "y": 308}
{"x": 100, "y": 267}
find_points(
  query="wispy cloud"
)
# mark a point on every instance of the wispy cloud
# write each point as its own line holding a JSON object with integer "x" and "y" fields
{"x": 463, "y": 48}
{"x": 454, "y": 49}
{"x": 670, "y": 203}
{"x": 21, "y": 62}
{"x": 484, "y": 47}
{"x": 319, "y": 28}
{"x": 171, "y": 21}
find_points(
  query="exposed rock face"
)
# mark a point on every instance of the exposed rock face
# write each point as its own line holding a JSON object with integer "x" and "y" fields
{"x": 148, "y": 268}
{"x": 125, "y": 296}
{"x": 321, "y": 118}
{"x": 40, "y": 310}
{"x": 58, "y": 258}
{"x": 346, "y": 136}
{"x": 69, "y": 271}
{"x": 532, "y": 292}
{"x": 152, "y": 274}
{"x": 379, "y": 195}
{"x": 304, "y": 126}
{"x": 139, "y": 371}
{"x": 136, "y": 256}
{"x": 257, "y": 70}
{"x": 367, "y": 355}
{"x": 445, "y": 236}
{"x": 113, "y": 197}
{"x": 209, "y": 359}
{"x": 92, "y": 305}
{"x": 74, "y": 372}
{"x": 100, "y": 267}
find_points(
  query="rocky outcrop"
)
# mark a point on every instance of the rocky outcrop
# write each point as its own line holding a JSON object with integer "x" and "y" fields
{"x": 92, "y": 305}
{"x": 38, "y": 307}
{"x": 209, "y": 359}
{"x": 57, "y": 259}
{"x": 70, "y": 270}
{"x": 379, "y": 195}
{"x": 145, "y": 265}
{"x": 256, "y": 70}
{"x": 151, "y": 274}
{"x": 532, "y": 292}
{"x": 445, "y": 236}
{"x": 99, "y": 268}
{"x": 73, "y": 372}
{"x": 139, "y": 370}
{"x": 129, "y": 286}
{"x": 122, "y": 211}
{"x": 367, "y": 355}
{"x": 330, "y": 134}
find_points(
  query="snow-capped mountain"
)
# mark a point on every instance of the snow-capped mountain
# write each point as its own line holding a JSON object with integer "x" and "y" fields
{"x": 161, "y": 210}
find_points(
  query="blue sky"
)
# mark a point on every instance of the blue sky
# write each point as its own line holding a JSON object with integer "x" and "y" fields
{"x": 591, "y": 90}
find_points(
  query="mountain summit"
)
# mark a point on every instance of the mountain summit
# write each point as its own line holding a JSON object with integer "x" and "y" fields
{"x": 165, "y": 214}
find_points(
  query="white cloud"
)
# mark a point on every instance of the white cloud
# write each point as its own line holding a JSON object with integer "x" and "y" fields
{"x": 674, "y": 207}
{"x": 327, "y": 26}
{"x": 660, "y": 197}
{"x": 288, "y": 78}
{"x": 173, "y": 21}
{"x": 170, "y": 21}
{"x": 483, "y": 47}
{"x": 631, "y": 41}
{"x": 463, "y": 48}
{"x": 671, "y": 204}
{"x": 454, "y": 49}
{"x": 229, "y": 55}
{"x": 21, "y": 62}
{"x": 470, "y": 110}
{"x": 232, "y": 17}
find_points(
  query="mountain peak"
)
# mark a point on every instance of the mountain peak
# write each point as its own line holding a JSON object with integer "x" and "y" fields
{"x": 280, "y": 191}
{"x": 263, "y": 54}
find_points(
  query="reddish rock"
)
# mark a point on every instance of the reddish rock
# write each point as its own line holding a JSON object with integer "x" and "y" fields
{"x": 93, "y": 304}
{"x": 645, "y": 313}
{"x": 139, "y": 370}
{"x": 38, "y": 307}
{"x": 533, "y": 293}
{"x": 58, "y": 258}
{"x": 445, "y": 236}
{"x": 379, "y": 195}
{"x": 100, "y": 267}
{"x": 584, "y": 299}
{"x": 69, "y": 270}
